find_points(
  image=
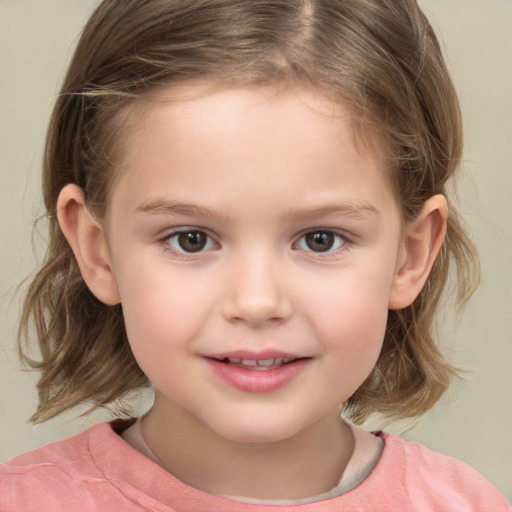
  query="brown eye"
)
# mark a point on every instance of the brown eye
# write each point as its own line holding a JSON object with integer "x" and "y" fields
{"x": 190, "y": 241}
{"x": 321, "y": 241}
{"x": 194, "y": 241}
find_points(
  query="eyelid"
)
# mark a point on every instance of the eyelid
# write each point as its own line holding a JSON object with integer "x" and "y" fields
{"x": 348, "y": 240}
{"x": 171, "y": 233}
{"x": 330, "y": 253}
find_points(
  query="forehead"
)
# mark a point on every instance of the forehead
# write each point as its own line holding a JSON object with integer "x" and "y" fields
{"x": 269, "y": 140}
{"x": 208, "y": 108}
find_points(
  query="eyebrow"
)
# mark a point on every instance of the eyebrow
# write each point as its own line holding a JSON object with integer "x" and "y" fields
{"x": 163, "y": 207}
{"x": 349, "y": 209}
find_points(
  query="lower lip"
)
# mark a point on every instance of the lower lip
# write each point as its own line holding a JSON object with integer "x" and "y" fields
{"x": 257, "y": 381}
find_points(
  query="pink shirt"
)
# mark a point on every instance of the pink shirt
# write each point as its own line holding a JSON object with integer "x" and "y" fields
{"x": 98, "y": 471}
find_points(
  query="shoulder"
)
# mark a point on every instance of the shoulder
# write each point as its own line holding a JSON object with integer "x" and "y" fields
{"x": 66, "y": 457}
{"x": 439, "y": 482}
{"x": 59, "y": 476}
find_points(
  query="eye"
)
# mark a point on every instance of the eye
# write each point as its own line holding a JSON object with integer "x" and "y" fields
{"x": 189, "y": 241}
{"x": 321, "y": 240}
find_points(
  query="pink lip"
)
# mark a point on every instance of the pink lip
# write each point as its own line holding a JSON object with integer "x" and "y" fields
{"x": 257, "y": 381}
{"x": 255, "y": 355}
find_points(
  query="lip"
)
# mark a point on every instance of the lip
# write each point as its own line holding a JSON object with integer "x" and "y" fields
{"x": 257, "y": 381}
{"x": 255, "y": 355}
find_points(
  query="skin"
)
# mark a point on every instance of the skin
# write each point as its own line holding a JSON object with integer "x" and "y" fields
{"x": 258, "y": 169}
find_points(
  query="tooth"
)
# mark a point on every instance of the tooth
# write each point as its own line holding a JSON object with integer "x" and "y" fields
{"x": 286, "y": 360}
{"x": 249, "y": 362}
{"x": 265, "y": 362}
{"x": 236, "y": 360}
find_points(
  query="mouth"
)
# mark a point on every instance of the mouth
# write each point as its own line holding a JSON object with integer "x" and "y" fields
{"x": 257, "y": 372}
{"x": 257, "y": 364}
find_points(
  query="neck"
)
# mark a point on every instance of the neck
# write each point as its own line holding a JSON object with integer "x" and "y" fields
{"x": 309, "y": 463}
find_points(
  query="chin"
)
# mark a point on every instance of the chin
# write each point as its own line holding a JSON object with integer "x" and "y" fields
{"x": 257, "y": 432}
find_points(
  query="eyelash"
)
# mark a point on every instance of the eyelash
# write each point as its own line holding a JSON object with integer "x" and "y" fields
{"x": 180, "y": 253}
{"x": 343, "y": 240}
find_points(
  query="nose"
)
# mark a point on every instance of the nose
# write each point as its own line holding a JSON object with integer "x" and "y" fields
{"x": 256, "y": 294}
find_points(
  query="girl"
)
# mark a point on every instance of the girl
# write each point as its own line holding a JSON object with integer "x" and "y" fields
{"x": 247, "y": 208}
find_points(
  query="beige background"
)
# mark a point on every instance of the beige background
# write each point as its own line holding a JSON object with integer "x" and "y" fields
{"x": 474, "y": 422}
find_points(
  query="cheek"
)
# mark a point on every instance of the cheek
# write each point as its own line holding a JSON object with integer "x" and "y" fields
{"x": 350, "y": 322}
{"x": 355, "y": 333}
{"x": 161, "y": 312}
{"x": 352, "y": 301}
{"x": 354, "y": 345}
{"x": 159, "y": 325}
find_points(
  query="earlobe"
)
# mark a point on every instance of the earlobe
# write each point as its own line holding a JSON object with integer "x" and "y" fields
{"x": 422, "y": 242}
{"x": 87, "y": 240}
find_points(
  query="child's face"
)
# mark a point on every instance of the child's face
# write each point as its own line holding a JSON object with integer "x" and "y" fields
{"x": 245, "y": 225}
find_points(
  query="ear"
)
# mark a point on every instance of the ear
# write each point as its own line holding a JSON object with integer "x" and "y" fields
{"x": 86, "y": 237}
{"x": 422, "y": 242}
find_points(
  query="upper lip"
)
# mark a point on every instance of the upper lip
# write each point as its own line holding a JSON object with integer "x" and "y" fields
{"x": 251, "y": 355}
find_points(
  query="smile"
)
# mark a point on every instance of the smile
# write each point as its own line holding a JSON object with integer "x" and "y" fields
{"x": 257, "y": 364}
{"x": 255, "y": 374}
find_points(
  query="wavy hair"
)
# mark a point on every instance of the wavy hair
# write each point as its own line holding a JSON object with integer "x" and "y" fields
{"x": 380, "y": 56}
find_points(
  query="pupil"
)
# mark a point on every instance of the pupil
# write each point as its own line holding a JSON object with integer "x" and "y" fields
{"x": 320, "y": 242}
{"x": 194, "y": 241}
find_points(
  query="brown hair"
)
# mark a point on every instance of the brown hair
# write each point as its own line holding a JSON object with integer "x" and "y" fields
{"x": 380, "y": 56}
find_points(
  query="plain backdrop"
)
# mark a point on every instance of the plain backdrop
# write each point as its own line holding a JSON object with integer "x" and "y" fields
{"x": 474, "y": 421}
